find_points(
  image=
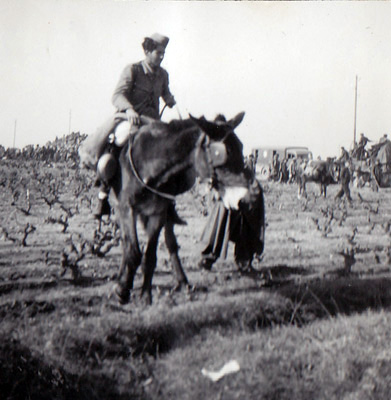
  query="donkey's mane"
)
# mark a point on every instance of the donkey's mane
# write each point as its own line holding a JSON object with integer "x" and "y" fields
{"x": 177, "y": 125}
{"x": 159, "y": 128}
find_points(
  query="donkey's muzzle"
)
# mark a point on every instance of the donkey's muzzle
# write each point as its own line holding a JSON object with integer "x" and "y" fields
{"x": 232, "y": 196}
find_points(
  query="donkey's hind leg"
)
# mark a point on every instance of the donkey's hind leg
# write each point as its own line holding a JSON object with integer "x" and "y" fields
{"x": 131, "y": 254}
{"x": 173, "y": 247}
{"x": 153, "y": 226}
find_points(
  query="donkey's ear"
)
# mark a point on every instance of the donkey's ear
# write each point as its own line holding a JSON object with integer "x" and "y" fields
{"x": 205, "y": 125}
{"x": 234, "y": 122}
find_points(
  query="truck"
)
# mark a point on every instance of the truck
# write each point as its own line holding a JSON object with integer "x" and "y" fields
{"x": 263, "y": 157}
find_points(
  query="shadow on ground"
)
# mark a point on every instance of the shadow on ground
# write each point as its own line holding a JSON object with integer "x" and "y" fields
{"x": 331, "y": 297}
{"x": 24, "y": 376}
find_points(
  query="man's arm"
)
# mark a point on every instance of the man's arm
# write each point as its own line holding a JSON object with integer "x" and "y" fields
{"x": 167, "y": 96}
{"x": 124, "y": 86}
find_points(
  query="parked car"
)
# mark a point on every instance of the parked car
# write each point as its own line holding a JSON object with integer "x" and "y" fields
{"x": 264, "y": 157}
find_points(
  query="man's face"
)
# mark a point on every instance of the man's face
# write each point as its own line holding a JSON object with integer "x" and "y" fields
{"x": 155, "y": 57}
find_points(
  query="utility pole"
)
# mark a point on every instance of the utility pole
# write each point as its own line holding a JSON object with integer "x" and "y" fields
{"x": 14, "y": 134}
{"x": 355, "y": 114}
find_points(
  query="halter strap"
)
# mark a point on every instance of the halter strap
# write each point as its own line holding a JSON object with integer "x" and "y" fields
{"x": 140, "y": 180}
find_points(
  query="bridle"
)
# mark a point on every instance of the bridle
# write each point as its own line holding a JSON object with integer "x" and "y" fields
{"x": 215, "y": 152}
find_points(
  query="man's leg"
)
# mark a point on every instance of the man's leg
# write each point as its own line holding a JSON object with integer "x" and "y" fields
{"x": 108, "y": 162}
{"x": 94, "y": 145}
{"x": 106, "y": 169}
{"x": 103, "y": 207}
{"x": 339, "y": 194}
{"x": 347, "y": 193}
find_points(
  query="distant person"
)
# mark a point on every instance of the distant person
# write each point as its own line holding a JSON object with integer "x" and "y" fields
{"x": 384, "y": 138}
{"x": 140, "y": 87}
{"x": 377, "y": 172}
{"x": 359, "y": 149}
{"x": 292, "y": 166}
{"x": 275, "y": 167}
{"x": 344, "y": 179}
{"x": 344, "y": 155}
{"x": 256, "y": 158}
{"x": 250, "y": 163}
{"x": 283, "y": 171}
{"x": 363, "y": 140}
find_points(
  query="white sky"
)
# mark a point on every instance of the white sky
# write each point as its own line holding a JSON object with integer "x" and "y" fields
{"x": 291, "y": 66}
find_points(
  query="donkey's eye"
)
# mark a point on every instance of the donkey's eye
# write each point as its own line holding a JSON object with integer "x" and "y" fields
{"x": 218, "y": 154}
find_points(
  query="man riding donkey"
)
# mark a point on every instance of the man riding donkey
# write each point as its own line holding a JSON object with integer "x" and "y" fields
{"x": 359, "y": 151}
{"x": 137, "y": 94}
{"x": 136, "y": 97}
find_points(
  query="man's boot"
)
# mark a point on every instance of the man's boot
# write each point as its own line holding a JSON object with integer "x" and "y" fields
{"x": 106, "y": 169}
{"x": 103, "y": 207}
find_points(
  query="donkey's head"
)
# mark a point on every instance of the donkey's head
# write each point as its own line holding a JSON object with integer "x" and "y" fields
{"x": 219, "y": 156}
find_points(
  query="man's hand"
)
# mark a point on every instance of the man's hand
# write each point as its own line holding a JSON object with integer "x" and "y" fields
{"x": 171, "y": 103}
{"x": 133, "y": 117}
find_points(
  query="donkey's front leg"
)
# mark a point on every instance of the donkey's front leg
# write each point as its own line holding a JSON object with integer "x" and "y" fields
{"x": 131, "y": 254}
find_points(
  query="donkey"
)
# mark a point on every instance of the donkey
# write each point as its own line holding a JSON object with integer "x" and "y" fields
{"x": 161, "y": 161}
{"x": 323, "y": 172}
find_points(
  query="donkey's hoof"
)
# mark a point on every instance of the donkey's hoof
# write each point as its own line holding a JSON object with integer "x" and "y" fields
{"x": 190, "y": 288}
{"x": 180, "y": 286}
{"x": 146, "y": 299}
{"x": 246, "y": 269}
{"x": 122, "y": 294}
{"x": 206, "y": 263}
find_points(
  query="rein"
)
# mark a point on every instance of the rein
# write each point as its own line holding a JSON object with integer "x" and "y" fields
{"x": 212, "y": 172}
{"x": 140, "y": 180}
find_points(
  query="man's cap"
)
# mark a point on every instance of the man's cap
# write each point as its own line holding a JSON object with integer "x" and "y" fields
{"x": 159, "y": 39}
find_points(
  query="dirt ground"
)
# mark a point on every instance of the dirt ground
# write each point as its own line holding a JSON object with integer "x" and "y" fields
{"x": 64, "y": 335}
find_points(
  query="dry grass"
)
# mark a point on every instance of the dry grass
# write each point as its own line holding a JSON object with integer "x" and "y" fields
{"x": 341, "y": 358}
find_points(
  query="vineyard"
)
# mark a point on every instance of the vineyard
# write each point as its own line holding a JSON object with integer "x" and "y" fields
{"x": 312, "y": 324}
